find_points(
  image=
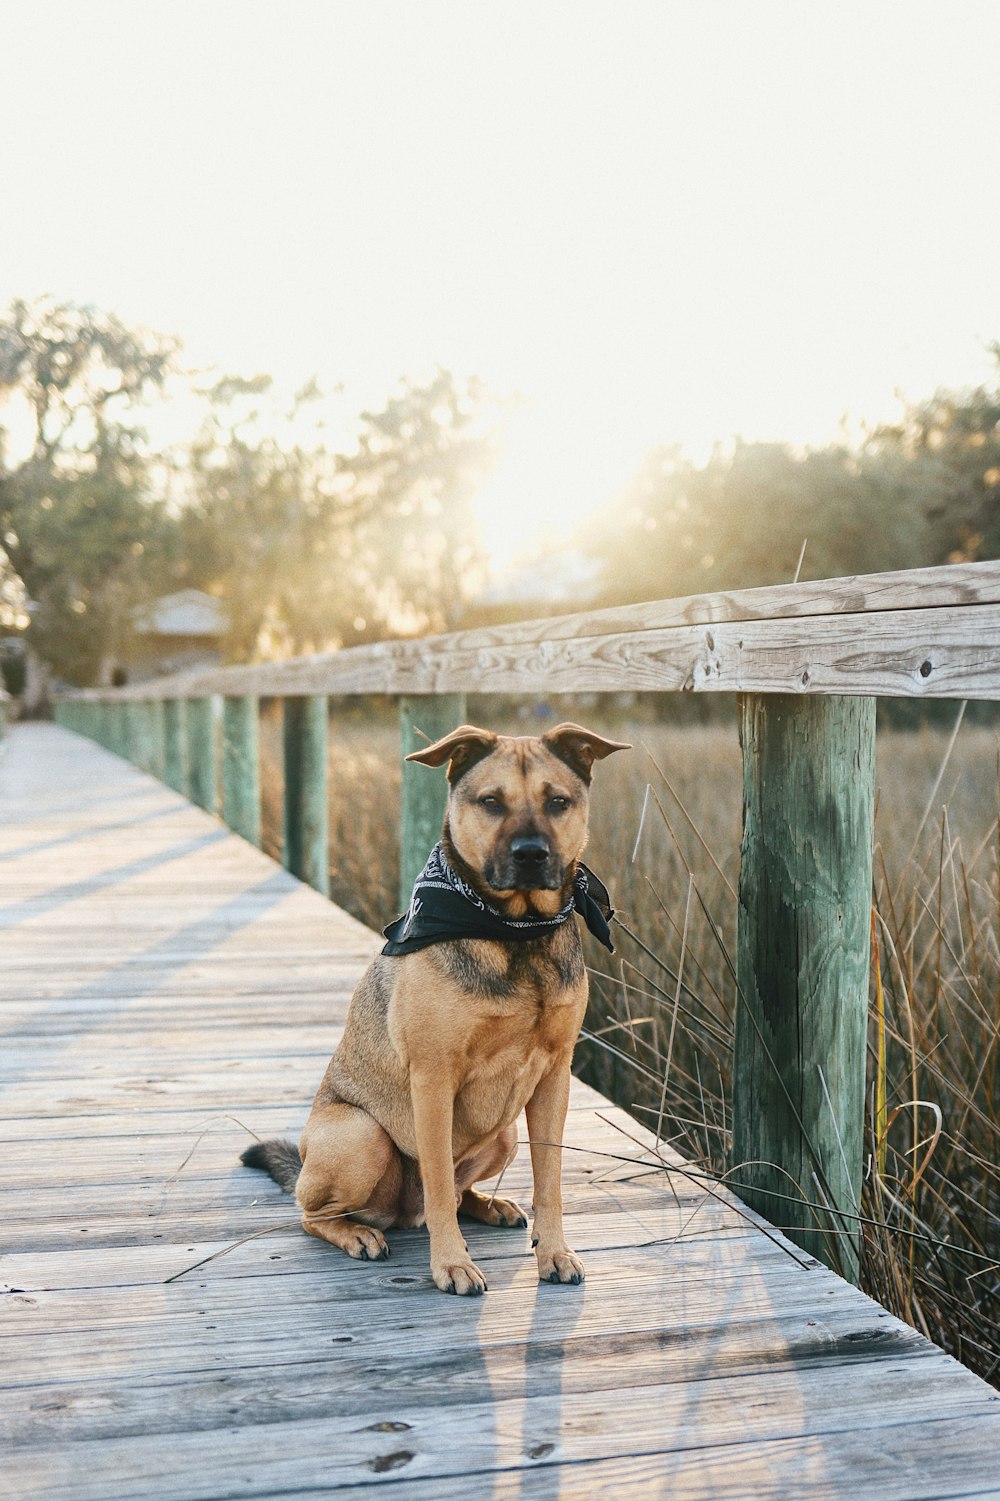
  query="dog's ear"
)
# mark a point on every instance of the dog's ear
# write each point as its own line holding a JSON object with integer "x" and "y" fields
{"x": 580, "y": 748}
{"x": 461, "y": 749}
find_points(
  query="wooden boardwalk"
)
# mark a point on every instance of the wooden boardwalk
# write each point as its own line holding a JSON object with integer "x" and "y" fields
{"x": 162, "y": 982}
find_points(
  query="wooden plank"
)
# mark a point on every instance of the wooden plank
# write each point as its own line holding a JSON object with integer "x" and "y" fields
{"x": 458, "y": 662}
{"x": 946, "y": 652}
{"x": 504, "y": 1438}
{"x": 734, "y": 1358}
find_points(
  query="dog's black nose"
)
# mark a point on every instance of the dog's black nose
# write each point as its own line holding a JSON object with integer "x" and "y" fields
{"x": 527, "y": 850}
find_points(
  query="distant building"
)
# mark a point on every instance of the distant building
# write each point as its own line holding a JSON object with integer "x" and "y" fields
{"x": 175, "y": 632}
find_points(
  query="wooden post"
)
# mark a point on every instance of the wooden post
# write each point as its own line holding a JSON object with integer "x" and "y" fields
{"x": 202, "y": 773}
{"x": 156, "y": 731}
{"x": 133, "y": 731}
{"x": 147, "y": 754}
{"x": 803, "y": 965}
{"x": 173, "y": 744}
{"x": 114, "y": 726}
{"x": 241, "y": 765}
{"x": 425, "y": 792}
{"x": 307, "y": 817}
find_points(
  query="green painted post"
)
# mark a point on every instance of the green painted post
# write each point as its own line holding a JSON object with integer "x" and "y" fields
{"x": 202, "y": 766}
{"x": 173, "y": 744}
{"x": 803, "y": 965}
{"x": 156, "y": 729}
{"x": 241, "y": 766}
{"x": 146, "y": 756}
{"x": 133, "y": 731}
{"x": 425, "y": 792}
{"x": 306, "y": 852}
{"x": 116, "y": 726}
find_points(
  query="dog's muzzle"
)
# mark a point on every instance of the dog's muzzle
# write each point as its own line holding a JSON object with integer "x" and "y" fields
{"x": 528, "y": 865}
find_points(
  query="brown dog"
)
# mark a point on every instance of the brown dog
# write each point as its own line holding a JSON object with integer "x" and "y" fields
{"x": 445, "y": 1045}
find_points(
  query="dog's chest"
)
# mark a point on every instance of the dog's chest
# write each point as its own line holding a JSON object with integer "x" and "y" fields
{"x": 509, "y": 1057}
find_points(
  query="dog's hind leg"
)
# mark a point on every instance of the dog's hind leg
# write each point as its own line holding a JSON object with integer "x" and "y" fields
{"x": 489, "y": 1161}
{"x": 350, "y": 1181}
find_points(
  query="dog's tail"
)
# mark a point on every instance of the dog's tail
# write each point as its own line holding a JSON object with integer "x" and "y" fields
{"x": 279, "y": 1158}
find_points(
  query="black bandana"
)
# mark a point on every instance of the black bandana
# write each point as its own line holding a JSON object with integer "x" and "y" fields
{"x": 443, "y": 906}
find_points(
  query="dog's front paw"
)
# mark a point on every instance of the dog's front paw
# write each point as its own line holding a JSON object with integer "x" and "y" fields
{"x": 462, "y": 1277}
{"x": 559, "y": 1265}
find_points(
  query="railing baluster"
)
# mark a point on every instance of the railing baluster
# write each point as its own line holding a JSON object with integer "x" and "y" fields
{"x": 241, "y": 765}
{"x": 202, "y": 766}
{"x": 157, "y": 732}
{"x": 424, "y": 793}
{"x": 173, "y": 744}
{"x": 306, "y": 805}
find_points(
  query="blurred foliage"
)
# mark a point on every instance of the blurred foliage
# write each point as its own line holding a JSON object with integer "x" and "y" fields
{"x": 416, "y": 555}
{"x": 925, "y": 492}
{"x": 957, "y": 437}
{"x": 311, "y": 547}
{"x": 78, "y": 518}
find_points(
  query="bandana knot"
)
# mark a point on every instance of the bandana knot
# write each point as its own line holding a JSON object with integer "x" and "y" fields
{"x": 443, "y": 907}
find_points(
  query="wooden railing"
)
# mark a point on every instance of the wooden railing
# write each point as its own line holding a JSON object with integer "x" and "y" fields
{"x": 807, "y": 660}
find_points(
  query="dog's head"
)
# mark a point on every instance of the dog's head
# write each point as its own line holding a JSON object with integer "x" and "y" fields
{"x": 518, "y": 806}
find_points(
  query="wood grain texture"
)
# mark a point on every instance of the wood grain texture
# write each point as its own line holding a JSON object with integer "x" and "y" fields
{"x": 803, "y": 964}
{"x": 945, "y": 652}
{"x": 164, "y": 989}
{"x": 847, "y": 635}
{"x": 241, "y": 765}
{"x": 425, "y": 790}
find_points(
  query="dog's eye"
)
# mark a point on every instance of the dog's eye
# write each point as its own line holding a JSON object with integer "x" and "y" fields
{"x": 559, "y": 804}
{"x": 491, "y": 804}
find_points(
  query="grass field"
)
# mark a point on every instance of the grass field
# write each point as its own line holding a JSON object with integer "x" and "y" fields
{"x": 931, "y": 1237}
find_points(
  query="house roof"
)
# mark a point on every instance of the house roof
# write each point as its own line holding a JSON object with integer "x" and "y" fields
{"x": 189, "y": 612}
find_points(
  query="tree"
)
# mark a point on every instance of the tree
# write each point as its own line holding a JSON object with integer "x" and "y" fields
{"x": 414, "y": 556}
{"x": 77, "y": 519}
{"x": 956, "y": 436}
{"x": 311, "y": 549}
{"x": 251, "y": 505}
{"x": 740, "y": 519}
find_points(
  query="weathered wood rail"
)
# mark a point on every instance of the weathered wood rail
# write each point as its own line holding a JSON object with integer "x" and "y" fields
{"x": 164, "y": 986}
{"x": 808, "y": 660}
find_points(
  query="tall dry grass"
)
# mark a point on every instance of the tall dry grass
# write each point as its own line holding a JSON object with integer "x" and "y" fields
{"x": 665, "y": 835}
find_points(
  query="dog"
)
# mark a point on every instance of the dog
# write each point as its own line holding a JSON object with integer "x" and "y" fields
{"x": 469, "y": 1015}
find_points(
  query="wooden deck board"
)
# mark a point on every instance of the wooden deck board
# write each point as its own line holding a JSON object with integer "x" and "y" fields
{"x": 161, "y": 977}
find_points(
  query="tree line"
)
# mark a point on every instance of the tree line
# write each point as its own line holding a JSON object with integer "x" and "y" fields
{"x": 307, "y": 546}
{"x": 312, "y": 544}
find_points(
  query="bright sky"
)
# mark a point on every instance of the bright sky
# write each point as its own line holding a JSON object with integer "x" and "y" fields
{"x": 659, "y": 221}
